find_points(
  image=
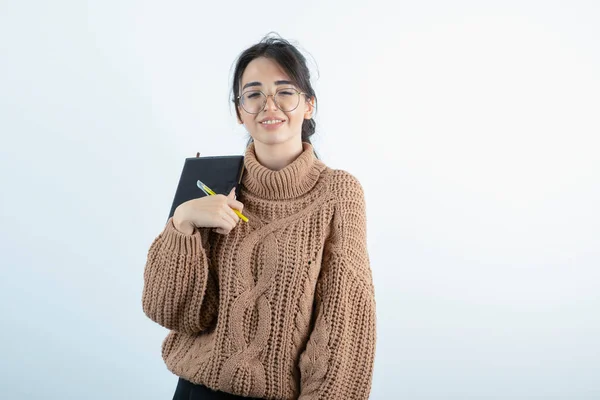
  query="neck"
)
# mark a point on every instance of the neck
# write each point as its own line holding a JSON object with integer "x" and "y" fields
{"x": 277, "y": 156}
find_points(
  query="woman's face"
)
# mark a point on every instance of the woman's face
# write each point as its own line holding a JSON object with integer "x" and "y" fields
{"x": 267, "y": 76}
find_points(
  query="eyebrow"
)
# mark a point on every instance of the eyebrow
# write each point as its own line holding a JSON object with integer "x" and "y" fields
{"x": 283, "y": 82}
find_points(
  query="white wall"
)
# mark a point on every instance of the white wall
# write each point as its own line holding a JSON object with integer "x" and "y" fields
{"x": 473, "y": 128}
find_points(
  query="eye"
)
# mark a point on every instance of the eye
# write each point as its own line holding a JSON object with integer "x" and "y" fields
{"x": 286, "y": 92}
{"x": 252, "y": 95}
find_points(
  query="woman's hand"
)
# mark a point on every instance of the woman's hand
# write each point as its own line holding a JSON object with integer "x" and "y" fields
{"x": 208, "y": 212}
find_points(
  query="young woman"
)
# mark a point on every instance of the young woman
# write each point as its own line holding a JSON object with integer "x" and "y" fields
{"x": 280, "y": 307}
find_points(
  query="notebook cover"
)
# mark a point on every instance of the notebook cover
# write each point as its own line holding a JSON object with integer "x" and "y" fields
{"x": 220, "y": 173}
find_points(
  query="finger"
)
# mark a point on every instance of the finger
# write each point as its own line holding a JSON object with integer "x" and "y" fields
{"x": 235, "y": 204}
{"x": 229, "y": 219}
{"x": 223, "y": 229}
{"x": 232, "y": 214}
{"x": 226, "y": 228}
{"x": 220, "y": 231}
{"x": 231, "y": 194}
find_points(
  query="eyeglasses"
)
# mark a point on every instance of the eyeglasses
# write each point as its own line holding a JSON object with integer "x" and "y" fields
{"x": 254, "y": 101}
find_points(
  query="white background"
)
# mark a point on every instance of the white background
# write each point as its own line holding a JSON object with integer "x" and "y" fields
{"x": 473, "y": 127}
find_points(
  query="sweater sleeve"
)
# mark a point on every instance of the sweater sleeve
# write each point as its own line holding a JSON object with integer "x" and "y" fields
{"x": 180, "y": 291}
{"x": 338, "y": 360}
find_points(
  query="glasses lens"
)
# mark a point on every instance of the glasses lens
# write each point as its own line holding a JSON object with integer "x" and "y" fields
{"x": 253, "y": 101}
{"x": 287, "y": 99}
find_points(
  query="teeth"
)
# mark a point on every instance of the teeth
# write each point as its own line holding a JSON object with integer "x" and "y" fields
{"x": 272, "y": 121}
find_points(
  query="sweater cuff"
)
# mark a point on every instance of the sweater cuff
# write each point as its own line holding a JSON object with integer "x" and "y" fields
{"x": 179, "y": 242}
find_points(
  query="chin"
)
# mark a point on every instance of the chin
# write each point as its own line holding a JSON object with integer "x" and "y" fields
{"x": 272, "y": 137}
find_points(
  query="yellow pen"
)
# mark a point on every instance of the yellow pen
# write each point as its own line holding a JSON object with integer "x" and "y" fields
{"x": 209, "y": 192}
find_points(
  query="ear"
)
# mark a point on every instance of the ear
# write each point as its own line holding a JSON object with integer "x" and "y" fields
{"x": 310, "y": 108}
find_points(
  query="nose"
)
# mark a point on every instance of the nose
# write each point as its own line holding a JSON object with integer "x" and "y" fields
{"x": 271, "y": 104}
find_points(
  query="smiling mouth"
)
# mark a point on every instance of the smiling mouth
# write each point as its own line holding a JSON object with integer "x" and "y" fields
{"x": 271, "y": 122}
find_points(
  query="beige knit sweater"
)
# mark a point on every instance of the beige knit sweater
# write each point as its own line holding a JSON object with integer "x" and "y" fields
{"x": 283, "y": 306}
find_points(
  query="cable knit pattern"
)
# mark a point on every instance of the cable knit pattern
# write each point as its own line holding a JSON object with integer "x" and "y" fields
{"x": 283, "y": 306}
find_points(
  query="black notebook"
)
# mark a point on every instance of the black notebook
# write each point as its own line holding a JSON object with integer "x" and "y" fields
{"x": 220, "y": 173}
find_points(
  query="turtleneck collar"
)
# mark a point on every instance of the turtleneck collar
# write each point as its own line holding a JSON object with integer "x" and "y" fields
{"x": 294, "y": 180}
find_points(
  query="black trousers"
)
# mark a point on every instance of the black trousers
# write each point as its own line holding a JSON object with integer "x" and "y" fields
{"x": 187, "y": 390}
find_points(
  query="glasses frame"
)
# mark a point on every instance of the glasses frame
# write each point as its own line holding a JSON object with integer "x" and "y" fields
{"x": 267, "y": 98}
